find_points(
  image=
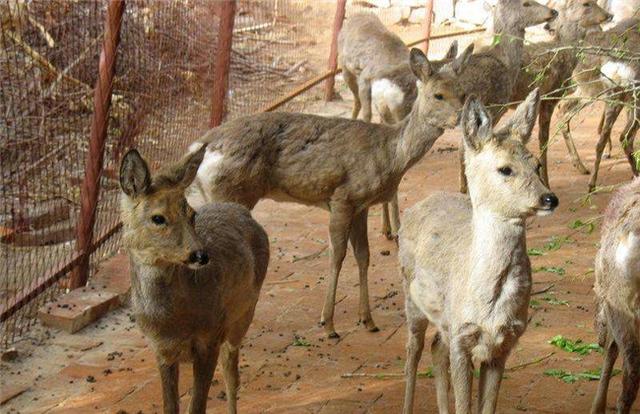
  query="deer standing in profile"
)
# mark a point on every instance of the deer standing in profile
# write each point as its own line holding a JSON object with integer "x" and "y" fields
{"x": 342, "y": 165}
{"x": 464, "y": 260}
{"x": 375, "y": 67}
{"x": 551, "y": 70}
{"x": 617, "y": 290}
{"x": 491, "y": 74}
{"x": 195, "y": 275}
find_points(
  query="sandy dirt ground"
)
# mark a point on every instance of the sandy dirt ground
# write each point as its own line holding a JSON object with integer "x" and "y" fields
{"x": 287, "y": 365}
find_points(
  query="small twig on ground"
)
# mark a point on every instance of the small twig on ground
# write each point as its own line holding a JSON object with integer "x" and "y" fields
{"x": 533, "y": 362}
{"x": 310, "y": 256}
{"x": 545, "y": 290}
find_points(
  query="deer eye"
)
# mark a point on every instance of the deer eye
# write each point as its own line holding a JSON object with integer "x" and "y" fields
{"x": 506, "y": 171}
{"x": 526, "y": 4}
{"x": 158, "y": 219}
{"x": 586, "y": 4}
{"x": 438, "y": 96}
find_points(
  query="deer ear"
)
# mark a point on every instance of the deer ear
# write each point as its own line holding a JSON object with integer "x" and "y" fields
{"x": 476, "y": 124}
{"x": 420, "y": 65}
{"x": 459, "y": 63}
{"x": 187, "y": 168}
{"x": 453, "y": 50}
{"x": 521, "y": 123}
{"x": 134, "y": 174}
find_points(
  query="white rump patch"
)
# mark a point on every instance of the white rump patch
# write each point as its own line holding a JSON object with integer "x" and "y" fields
{"x": 386, "y": 93}
{"x": 195, "y": 147}
{"x": 209, "y": 167}
{"x": 618, "y": 74}
{"x": 628, "y": 251}
{"x": 199, "y": 193}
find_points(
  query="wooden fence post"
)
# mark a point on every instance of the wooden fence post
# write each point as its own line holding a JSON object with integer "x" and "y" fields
{"x": 90, "y": 189}
{"x": 333, "y": 54}
{"x": 226, "y": 12}
{"x": 427, "y": 25}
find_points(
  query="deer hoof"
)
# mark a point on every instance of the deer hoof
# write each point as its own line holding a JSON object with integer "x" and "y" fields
{"x": 369, "y": 324}
{"x": 389, "y": 235}
{"x": 333, "y": 335}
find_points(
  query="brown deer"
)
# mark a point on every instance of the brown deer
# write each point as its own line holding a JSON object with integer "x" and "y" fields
{"x": 464, "y": 260}
{"x": 491, "y": 75}
{"x": 550, "y": 70}
{"x": 375, "y": 67}
{"x": 615, "y": 81}
{"x": 338, "y": 164}
{"x": 195, "y": 275}
{"x": 617, "y": 290}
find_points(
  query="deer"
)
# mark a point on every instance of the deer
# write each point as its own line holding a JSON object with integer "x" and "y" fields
{"x": 613, "y": 80}
{"x": 549, "y": 65}
{"x": 195, "y": 275}
{"x": 617, "y": 293}
{"x": 464, "y": 262}
{"x": 375, "y": 67}
{"x": 492, "y": 73}
{"x": 341, "y": 165}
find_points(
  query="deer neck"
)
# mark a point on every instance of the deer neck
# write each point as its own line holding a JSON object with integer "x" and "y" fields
{"x": 510, "y": 48}
{"x": 415, "y": 135}
{"x": 570, "y": 32}
{"x": 497, "y": 254}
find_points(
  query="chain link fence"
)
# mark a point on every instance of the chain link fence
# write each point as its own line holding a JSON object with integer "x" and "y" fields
{"x": 161, "y": 102}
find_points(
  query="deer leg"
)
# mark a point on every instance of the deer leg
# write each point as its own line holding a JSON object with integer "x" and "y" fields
{"x": 440, "y": 358}
{"x": 462, "y": 376}
{"x": 611, "y": 114}
{"x": 230, "y": 354}
{"x": 417, "y": 326}
{"x": 364, "y": 91}
{"x": 544, "y": 121}
{"x": 463, "y": 176}
{"x": 630, "y": 348}
{"x": 490, "y": 380}
{"x": 352, "y": 83}
{"x": 395, "y": 215}
{"x": 386, "y": 222}
{"x": 340, "y": 219}
{"x": 565, "y": 128}
{"x": 169, "y": 379}
{"x": 360, "y": 243}
{"x": 204, "y": 364}
{"x": 628, "y": 137}
{"x": 599, "y": 405}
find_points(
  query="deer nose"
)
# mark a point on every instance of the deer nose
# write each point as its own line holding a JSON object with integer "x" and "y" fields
{"x": 549, "y": 200}
{"x": 199, "y": 256}
{"x": 554, "y": 13}
{"x": 609, "y": 17}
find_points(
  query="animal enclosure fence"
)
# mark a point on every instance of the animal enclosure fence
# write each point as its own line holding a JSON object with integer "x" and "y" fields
{"x": 80, "y": 82}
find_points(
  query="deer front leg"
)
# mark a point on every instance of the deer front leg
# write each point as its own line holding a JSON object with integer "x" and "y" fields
{"x": 352, "y": 83}
{"x": 340, "y": 218}
{"x": 611, "y": 114}
{"x": 360, "y": 243}
{"x": 391, "y": 220}
{"x": 461, "y": 375}
{"x": 169, "y": 379}
{"x": 204, "y": 364}
{"x": 364, "y": 91}
{"x": 440, "y": 358}
{"x": 599, "y": 405}
{"x": 628, "y": 136}
{"x": 490, "y": 380}
{"x": 230, "y": 354}
{"x": 417, "y": 325}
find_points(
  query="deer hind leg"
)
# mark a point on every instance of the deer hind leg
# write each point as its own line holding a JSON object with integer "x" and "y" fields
{"x": 463, "y": 176}
{"x": 204, "y": 364}
{"x": 611, "y": 114}
{"x": 352, "y": 83}
{"x": 360, "y": 243}
{"x": 490, "y": 380}
{"x": 628, "y": 136}
{"x": 599, "y": 405}
{"x": 364, "y": 92}
{"x": 230, "y": 354}
{"x": 169, "y": 379}
{"x": 565, "y": 108}
{"x": 440, "y": 358}
{"x": 391, "y": 218}
{"x": 630, "y": 350}
{"x": 417, "y": 326}
{"x": 340, "y": 219}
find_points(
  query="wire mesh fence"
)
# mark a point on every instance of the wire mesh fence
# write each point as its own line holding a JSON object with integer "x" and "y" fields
{"x": 161, "y": 102}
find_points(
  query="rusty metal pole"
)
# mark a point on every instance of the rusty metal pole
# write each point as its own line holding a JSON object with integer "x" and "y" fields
{"x": 95, "y": 157}
{"x": 427, "y": 25}
{"x": 333, "y": 54}
{"x": 226, "y": 11}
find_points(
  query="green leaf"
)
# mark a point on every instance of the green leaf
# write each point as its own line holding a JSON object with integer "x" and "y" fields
{"x": 535, "y": 252}
{"x": 497, "y": 38}
{"x": 298, "y": 341}
{"x": 586, "y": 226}
{"x": 552, "y": 300}
{"x": 569, "y": 378}
{"x": 576, "y": 347}
{"x": 556, "y": 242}
{"x": 550, "y": 269}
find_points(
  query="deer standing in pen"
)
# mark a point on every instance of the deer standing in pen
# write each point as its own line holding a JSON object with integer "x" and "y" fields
{"x": 195, "y": 275}
{"x": 464, "y": 260}
{"x": 616, "y": 82}
{"x": 491, "y": 74}
{"x": 341, "y": 165}
{"x": 617, "y": 290}
{"x": 551, "y": 71}
{"x": 375, "y": 67}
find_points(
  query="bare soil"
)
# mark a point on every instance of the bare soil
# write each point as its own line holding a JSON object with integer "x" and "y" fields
{"x": 287, "y": 366}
